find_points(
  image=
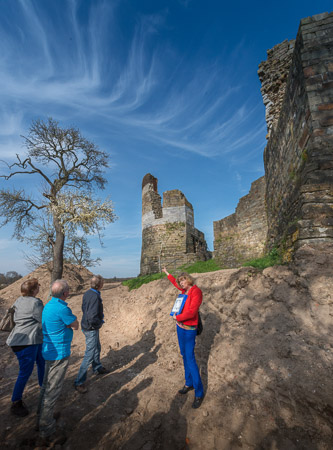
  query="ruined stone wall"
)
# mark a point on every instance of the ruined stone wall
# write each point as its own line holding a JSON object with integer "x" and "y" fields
{"x": 242, "y": 235}
{"x": 273, "y": 74}
{"x": 168, "y": 234}
{"x": 299, "y": 154}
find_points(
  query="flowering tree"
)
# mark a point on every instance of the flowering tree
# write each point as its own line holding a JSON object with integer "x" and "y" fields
{"x": 42, "y": 240}
{"x": 69, "y": 169}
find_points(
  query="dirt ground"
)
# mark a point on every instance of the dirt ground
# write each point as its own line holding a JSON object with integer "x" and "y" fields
{"x": 265, "y": 357}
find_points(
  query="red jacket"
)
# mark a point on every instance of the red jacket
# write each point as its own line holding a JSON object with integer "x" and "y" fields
{"x": 189, "y": 315}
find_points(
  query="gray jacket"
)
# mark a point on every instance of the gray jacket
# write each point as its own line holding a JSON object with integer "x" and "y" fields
{"x": 28, "y": 322}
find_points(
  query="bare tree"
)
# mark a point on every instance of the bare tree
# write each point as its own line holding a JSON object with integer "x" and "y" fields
{"x": 69, "y": 168}
{"x": 42, "y": 240}
{"x": 78, "y": 252}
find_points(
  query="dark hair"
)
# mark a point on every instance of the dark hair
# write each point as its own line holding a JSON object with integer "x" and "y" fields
{"x": 186, "y": 276}
{"x": 28, "y": 287}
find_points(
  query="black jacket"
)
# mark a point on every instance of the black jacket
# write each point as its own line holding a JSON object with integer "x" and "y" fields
{"x": 92, "y": 308}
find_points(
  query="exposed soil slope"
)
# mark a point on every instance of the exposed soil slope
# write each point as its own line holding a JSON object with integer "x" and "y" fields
{"x": 265, "y": 356}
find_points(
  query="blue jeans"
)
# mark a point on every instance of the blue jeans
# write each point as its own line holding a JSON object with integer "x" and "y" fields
{"x": 186, "y": 341}
{"x": 27, "y": 358}
{"x": 91, "y": 356}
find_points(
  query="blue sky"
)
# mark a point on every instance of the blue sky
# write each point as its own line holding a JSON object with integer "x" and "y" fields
{"x": 168, "y": 87}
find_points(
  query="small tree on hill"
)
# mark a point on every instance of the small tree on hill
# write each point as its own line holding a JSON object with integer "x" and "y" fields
{"x": 8, "y": 278}
{"x": 69, "y": 168}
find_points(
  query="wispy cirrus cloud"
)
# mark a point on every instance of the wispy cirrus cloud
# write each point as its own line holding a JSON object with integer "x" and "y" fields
{"x": 65, "y": 69}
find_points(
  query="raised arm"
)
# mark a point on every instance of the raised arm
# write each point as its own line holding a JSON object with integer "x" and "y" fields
{"x": 165, "y": 271}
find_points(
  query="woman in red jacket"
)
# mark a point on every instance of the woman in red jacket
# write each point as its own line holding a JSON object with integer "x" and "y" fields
{"x": 187, "y": 322}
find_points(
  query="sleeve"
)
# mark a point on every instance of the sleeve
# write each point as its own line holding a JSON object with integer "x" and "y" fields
{"x": 67, "y": 316}
{"x": 174, "y": 282}
{"x": 195, "y": 302}
{"x": 37, "y": 311}
{"x": 13, "y": 308}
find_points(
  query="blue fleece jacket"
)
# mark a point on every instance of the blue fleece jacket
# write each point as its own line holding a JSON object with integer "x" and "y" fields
{"x": 92, "y": 308}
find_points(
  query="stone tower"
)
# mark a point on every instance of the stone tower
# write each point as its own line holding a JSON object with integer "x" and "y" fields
{"x": 168, "y": 234}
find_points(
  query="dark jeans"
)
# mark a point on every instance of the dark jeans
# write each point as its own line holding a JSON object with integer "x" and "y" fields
{"x": 27, "y": 358}
{"x": 91, "y": 356}
{"x": 55, "y": 372}
{"x": 186, "y": 340}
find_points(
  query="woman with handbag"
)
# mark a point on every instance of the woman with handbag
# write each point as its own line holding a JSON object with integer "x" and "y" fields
{"x": 187, "y": 323}
{"x": 26, "y": 341}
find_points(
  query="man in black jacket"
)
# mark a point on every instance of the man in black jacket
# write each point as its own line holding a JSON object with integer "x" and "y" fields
{"x": 92, "y": 321}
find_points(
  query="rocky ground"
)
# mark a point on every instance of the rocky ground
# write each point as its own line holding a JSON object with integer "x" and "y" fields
{"x": 265, "y": 356}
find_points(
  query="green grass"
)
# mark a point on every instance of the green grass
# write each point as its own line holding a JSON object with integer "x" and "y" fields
{"x": 272, "y": 259}
{"x": 199, "y": 267}
{"x": 135, "y": 283}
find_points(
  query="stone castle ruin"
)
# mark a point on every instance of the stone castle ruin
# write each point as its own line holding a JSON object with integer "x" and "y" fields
{"x": 297, "y": 89}
{"x": 242, "y": 235}
{"x": 169, "y": 237}
{"x": 292, "y": 204}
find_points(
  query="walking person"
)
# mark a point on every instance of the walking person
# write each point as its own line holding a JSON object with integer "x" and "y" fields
{"x": 92, "y": 321}
{"x": 187, "y": 323}
{"x": 58, "y": 323}
{"x": 26, "y": 341}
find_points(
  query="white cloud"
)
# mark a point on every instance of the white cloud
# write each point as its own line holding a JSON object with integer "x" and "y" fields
{"x": 9, "y": 147}
{"x": 81, "y": 76}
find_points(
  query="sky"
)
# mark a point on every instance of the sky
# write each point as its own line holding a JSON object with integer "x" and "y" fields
{"x": 167, "y": 87}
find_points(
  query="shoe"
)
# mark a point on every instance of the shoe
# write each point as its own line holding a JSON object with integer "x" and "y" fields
{"x": 102, "y": 371}
{"x": 185, "y": 389}
{"x": 197, "y": 402}
{"x": 81, "y": 388}
{"x": 18, "y": 408}
{"x": 57, "y": 438}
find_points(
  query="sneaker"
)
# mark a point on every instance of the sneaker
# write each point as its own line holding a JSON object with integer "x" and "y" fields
{"x": 81, "y": 388}
{"x": 185, "y": 389}
{"x": 102, "y": 371}
{"x": 18, "y": 408}
{"x": 57, "y": 438}
{"x": 197, "y": 402}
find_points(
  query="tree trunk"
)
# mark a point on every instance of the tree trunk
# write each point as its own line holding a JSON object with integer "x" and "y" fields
{"x": 58, "y": 252}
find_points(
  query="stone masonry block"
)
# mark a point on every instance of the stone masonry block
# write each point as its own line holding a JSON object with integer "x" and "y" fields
{"x": 325, "y": 107}
{"x": 326, "y": 121}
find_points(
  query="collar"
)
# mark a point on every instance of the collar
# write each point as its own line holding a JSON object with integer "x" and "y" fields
{"x": 186, "y": 293}
{"x": 56, "y": 299}
{"x": 95, "y": 290}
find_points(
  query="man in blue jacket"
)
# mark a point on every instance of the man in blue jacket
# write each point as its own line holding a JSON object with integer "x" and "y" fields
{"x": 92, "y": 321}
